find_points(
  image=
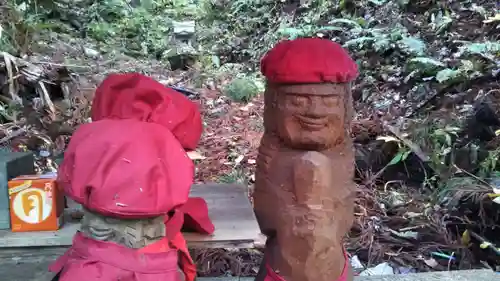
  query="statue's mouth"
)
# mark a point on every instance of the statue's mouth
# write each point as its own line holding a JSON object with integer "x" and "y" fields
{"x": 313, "y": 124}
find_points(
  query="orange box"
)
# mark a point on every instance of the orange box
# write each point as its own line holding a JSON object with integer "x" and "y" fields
{"x": 35, "y": 204}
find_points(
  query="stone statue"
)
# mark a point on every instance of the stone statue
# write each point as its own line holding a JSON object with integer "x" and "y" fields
{"x": 304, "y": 191}
{"x": 130, "y": 171}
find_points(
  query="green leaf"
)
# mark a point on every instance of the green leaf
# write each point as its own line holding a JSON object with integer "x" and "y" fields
{"x": 359, "y": 42}
{"x": 440, "y": 22}
{"x": 346, "y": 22}
{"x": 405, "y": 155}
{"x": 496, "y": 200}
{"x": 403, "y": 3}
{"x": 447, "y": 75}
{"x": 377, "y": 2}
{"x": 481, "y": 48}
{"x": 465, "y": 238}
{"x": 216, "y": 61}
{"x": 382, "y": 45}
{"x": 330, "y": 28}
{"x": 452, "y": 129}
{"x": 448, "y": 139}
{"x": 291, "y": 32}
{"x": 485, "y": 245}
{"x": 488, "y": 50}
{"x": 396, "y": 159}
{"x": 413, "y": 45}
{"x": 427, "y": 62}
{"x": 425, "y": 65}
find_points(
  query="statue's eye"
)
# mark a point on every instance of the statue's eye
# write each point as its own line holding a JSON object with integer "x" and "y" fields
{"x": 297, "y": 100}
{"x": 331, "y": 101}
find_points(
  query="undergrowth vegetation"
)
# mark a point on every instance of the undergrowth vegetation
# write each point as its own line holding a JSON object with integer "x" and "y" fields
{"x": 138, "y": 28}
{"x": 415, "y": 57}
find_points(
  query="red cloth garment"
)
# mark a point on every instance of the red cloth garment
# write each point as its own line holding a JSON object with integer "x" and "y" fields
{"x": 89, "y": 260}
{"x": 192, "y": 216}
{"x": 138, "y": 97}
{"x": 308, "y": 60}
{"x": 131, "y": 162}
{"x": 126, "y": 169}
{"x": 271, "y": 275}
{"x": 196, "y": 216}
{"x": 186, "y": 263}
{"x": 174, "y": 241}
{"x": 178, "y": 243}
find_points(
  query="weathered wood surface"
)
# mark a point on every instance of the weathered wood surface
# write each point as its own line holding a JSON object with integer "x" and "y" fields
{"x": 229, "y": 209}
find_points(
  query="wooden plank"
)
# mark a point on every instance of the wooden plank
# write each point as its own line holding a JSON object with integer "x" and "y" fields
{"x": 229, "y": 209}
{"x": 232, "y": 215}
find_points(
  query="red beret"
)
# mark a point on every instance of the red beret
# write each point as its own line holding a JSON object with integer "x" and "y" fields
{"x": 308, "y": 60}
{"x": 138, "y": 97}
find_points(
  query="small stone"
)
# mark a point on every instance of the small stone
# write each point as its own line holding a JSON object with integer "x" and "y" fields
{"x": 91, "y": 53}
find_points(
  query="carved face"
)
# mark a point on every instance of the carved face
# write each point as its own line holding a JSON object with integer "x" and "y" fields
{"x": 311, "y": 116}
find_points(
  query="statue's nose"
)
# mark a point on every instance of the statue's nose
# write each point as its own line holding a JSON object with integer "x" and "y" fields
{"x": 317, "y": 109}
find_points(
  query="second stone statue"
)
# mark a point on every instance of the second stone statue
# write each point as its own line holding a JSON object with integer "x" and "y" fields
{"x": 304, "y": 191}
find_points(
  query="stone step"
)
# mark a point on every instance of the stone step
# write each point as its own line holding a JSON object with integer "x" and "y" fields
{"x": 30, "y": 264}
{"x": 34, "y": 268}
{"x": 461, "y": 275}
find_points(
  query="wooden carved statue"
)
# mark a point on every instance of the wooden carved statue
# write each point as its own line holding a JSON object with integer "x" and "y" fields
{"x": 304, "y": 191}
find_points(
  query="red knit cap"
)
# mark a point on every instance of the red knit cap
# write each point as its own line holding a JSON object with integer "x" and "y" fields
{"x": 138, "y": 97}
{"x": 308, "y": 60}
